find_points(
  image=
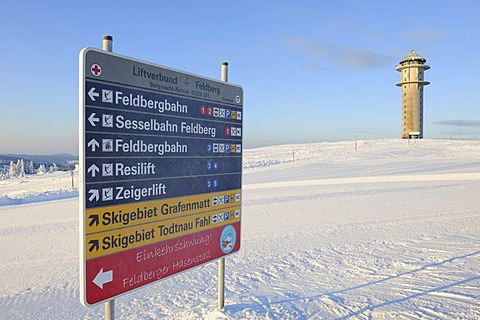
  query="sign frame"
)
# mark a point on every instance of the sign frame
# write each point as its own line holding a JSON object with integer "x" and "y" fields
{"x": 204, "y": 94}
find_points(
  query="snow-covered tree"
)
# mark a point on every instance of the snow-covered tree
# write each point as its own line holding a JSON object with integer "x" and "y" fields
{"x": 17, "y": 168}
{"x": 53, "y": 168}
{"x": 2, "y": 175}
{"x": 31, "y": 168}
{"x": 20, "y": 169}
{"x": 13, "y": 170}
{"x": 41, "y": 169}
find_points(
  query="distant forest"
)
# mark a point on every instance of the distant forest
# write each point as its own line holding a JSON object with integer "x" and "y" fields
{"x": 62, "y": 162}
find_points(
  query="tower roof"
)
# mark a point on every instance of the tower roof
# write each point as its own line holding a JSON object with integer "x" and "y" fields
{"x": 413, "y": 56}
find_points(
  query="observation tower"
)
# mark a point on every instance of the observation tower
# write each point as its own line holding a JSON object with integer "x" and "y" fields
{"x": 412, "y": 69}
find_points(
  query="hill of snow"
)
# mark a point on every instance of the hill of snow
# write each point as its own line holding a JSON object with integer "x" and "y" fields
{"x": 346, "y": 230}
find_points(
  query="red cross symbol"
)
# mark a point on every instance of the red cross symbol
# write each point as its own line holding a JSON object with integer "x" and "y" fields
{"x": 96, "y": 70}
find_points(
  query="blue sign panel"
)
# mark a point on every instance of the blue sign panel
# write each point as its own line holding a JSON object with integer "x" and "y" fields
{"x": 113, "y": 169}
{"x": 107, "y": 96}
{"x": 122, "y": 192}
{"x": 156, "y": 134}
{"x": 137, "y": 123}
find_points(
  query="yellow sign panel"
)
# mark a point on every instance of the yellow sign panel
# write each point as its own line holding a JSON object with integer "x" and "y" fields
{"x": 113, "y": 241}
{"x": 132, "y": 214}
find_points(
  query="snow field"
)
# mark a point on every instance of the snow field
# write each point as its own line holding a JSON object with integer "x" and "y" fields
{"x": 389, "y": 230}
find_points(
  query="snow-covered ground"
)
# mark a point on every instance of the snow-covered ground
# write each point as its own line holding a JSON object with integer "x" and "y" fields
{"x": 38, "y": 188}
{"x": 388, "y": 230}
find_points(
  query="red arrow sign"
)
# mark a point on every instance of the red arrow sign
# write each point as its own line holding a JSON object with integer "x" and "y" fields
{"x": 135, "y": 268}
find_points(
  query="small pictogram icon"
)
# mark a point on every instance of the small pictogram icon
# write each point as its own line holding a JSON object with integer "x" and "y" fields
{"x": 96, "y": 70}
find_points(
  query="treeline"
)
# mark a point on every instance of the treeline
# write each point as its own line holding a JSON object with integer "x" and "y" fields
{"x": 20, "y": 169}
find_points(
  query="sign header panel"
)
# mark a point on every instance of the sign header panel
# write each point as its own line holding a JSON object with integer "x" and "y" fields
{"x": 115, "y": 69}
{"x": 161, "y": 168}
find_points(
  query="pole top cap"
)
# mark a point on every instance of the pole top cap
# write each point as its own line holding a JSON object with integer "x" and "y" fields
{"x": 107, "y": 37}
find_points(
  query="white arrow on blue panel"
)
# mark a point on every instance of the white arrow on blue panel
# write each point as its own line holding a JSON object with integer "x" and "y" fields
{"x": 94, "y": 195}
{"x": 93, "y": 144}
{"x": 92, "y": 94}
{"x": 92, "y": 119}
{"x": 93, "y": 169}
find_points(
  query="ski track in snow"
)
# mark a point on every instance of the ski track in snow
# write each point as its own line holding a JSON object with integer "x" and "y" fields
{"x": 331, "y": 234}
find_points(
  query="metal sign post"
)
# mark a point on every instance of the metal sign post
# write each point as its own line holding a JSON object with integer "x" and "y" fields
{"x": 107, "y": 45}
{"x": 221, "y": 261}
{"x": 161, "y": 173}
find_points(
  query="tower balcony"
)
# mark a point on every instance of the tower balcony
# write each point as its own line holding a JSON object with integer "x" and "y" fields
{"x": 423, "y": 66}
{"x": 425, "y": 83}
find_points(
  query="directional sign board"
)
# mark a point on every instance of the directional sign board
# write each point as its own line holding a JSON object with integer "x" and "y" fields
{"x": 161, "y": 169}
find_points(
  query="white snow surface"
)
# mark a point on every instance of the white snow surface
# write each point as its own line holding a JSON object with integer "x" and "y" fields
{"x": 390, "y": 230}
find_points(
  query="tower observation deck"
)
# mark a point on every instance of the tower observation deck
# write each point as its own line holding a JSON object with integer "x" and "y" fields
{"x": 412, "y": 69}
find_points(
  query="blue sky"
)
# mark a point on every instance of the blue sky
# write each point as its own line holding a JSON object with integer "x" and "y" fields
{"x": 312, "y": 71}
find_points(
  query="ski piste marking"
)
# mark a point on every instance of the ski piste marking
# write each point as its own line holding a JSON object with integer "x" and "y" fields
{"x": 359, "y": 180}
